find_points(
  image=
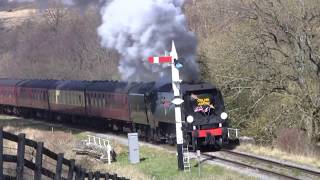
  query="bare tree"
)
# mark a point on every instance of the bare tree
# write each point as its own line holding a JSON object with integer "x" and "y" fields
{"x": 288, "y": 34}
{"x": 265, "y": 57}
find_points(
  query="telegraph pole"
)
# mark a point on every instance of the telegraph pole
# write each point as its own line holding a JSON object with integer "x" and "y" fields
{"x": 177, "y": 101}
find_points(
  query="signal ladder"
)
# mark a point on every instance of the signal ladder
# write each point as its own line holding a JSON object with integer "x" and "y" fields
{"x": 186, "y": 158}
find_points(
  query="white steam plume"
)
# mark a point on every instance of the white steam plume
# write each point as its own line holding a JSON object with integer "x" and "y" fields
{"x": 138, "y": 29}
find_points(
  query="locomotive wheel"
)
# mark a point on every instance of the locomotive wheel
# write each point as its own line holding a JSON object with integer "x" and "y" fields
{"x": 218, "y": 144}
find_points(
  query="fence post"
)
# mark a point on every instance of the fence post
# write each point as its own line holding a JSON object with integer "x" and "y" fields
{"x": 59, "y": 167}
{"x": 97, "y": 175}
{"x": 115, "y": 177}
{"x": 90, "y": 176}
{"x": 71, "y": 169}
{"x": 107, "y": 176}
{"x": 20, "y": 156}
{"x": 78, "y": 173}
{"x": 83, "y": 173}
{"x": 38, "y": 164}
{"x": 1, "y": 153}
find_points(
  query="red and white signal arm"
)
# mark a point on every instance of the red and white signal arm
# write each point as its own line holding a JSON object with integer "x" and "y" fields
{"x": 161, "y": 59}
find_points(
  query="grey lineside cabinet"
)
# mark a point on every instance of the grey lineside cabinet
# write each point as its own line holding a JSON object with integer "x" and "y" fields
{"x": 133, "y": 143}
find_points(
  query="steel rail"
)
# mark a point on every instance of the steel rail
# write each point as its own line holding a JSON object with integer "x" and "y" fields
{"x": 212, "y": 157}
{"x": 284, "y": 165}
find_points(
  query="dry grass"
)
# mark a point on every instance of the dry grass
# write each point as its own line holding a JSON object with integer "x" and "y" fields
{"x": 128, "y": 171}
{"x": 16, "y": 17}
{"x": 276, "y": 153}
{"x": 17, "y": 14}
{"x": 58, "y": 141}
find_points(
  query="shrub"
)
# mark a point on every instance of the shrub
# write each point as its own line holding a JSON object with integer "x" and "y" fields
{"x": 293, "y": 140}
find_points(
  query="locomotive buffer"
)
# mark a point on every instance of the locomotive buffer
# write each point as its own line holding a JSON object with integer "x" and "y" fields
{"x": 177, "y": 101}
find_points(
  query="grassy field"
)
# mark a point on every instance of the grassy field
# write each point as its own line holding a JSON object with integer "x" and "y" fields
{"x": 155, "y": 163}
{"x": 158, "y": 164}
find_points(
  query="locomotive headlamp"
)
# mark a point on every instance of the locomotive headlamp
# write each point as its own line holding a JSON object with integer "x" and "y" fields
{"x": 224, "y": 115}
{"x": 190, "y": 119}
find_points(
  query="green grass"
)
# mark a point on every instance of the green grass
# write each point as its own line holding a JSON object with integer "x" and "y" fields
{"x": 5, "y": 117}
{"x": 159, "y": 164}
{"x": 80, "y": 135}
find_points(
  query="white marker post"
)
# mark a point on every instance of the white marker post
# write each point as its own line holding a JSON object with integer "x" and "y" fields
{"x": 177, "y": 101}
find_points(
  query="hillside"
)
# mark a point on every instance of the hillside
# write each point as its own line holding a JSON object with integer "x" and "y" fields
{"x": 263, "y": 55}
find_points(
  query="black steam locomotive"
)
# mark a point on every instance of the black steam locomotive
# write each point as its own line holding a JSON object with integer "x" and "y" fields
{"x": 120, "y": 106}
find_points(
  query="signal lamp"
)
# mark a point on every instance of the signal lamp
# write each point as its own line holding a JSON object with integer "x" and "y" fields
{"x": 178, "y": 63}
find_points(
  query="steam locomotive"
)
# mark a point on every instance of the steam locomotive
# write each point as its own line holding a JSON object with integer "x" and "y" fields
{"x": 145, "y": 108}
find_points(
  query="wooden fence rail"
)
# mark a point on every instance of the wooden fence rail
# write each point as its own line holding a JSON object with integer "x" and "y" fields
{"x": 74, "y": 171}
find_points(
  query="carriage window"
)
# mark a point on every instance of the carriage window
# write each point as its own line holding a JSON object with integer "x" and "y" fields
{"x": 93, "y": 99}
{"x": 107, "y": 100}
{"x": 96, "y": 100}
{"x": 103, "y": 101}
{"x": 73, "y": 99}
{"x": 39, "y": 95}
{"x": 100, "y": 100}
{"x": 88, "y": 100}
{"x": 69, "y": 98}
{"x": 63, "y": 99}
{"x": 76, "y": 99}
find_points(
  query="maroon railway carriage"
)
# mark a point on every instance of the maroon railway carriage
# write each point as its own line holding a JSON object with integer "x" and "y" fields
{"x": 8, "y": 94}
{"x": 34, "y": 94}
{"x": 108, "y": 99}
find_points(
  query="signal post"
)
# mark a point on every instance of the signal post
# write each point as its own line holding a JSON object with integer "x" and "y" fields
{"x": 177, "y": 101}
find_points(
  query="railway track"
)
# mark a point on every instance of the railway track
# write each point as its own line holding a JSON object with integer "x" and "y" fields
{"x": 262, "y": 165}
{"x": 266, "y": 166}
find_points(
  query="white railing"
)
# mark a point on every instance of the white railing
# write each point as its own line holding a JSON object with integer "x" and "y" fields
{"x": 101, "y": 143}
{"x": 234, "y": 132}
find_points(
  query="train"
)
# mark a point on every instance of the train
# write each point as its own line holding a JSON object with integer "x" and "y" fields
{"x": 143, "y": 107}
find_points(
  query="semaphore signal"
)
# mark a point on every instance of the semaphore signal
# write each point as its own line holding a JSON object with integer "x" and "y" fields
{"x": 161, "y": 59}
{"x": 177, "y": 101}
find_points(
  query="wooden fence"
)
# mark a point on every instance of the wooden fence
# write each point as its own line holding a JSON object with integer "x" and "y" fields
{"x": 74, "y": 171}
